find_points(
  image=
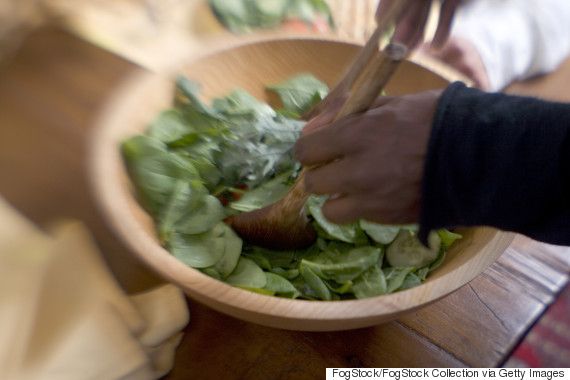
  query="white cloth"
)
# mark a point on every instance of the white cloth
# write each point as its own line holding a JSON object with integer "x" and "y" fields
{"x": 63, "y": 316}
{"x": 517, "y": 39}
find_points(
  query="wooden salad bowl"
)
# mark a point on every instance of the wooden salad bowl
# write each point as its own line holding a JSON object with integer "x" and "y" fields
{"x": 251, "y": 66}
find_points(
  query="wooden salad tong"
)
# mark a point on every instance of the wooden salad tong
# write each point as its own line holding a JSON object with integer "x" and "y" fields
{"x": 284, "y": 225}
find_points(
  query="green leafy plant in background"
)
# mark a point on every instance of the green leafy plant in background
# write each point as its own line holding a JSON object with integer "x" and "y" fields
{"x": 199, "y": 163}
{"x": 244, "y": 16}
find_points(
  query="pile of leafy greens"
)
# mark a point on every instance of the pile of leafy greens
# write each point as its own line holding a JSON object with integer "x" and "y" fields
{"x": 198, "y": 163}
{"x": 243, "y": 16}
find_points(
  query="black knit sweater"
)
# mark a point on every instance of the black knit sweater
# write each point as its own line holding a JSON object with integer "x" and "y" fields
{"x": 498, "y": 160}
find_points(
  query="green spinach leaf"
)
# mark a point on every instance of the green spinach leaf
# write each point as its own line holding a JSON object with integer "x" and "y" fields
{"x": 247, "y": 274}
{"x": 199, "y": 251}
{"x": 349, "y": 233}
{"x": 301, "y": 93}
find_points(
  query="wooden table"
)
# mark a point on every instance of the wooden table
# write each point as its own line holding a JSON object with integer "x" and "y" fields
{"x": 50, "y": 94}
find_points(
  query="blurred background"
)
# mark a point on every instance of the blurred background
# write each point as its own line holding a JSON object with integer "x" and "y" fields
{"x": 158, "y": 35}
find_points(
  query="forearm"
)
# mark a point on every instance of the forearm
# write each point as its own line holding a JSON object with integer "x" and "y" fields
{"x": 498, "y": 160}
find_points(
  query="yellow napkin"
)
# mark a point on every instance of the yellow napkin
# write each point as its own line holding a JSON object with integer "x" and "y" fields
{"x": 63, "y": 316}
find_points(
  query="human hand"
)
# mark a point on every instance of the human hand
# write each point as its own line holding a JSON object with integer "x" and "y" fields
{"x": 411, "y": 24}
{"x": 371, "y": 163}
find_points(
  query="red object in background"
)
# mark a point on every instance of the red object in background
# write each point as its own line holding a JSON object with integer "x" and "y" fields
{"x": 319, "y": 25}
{"x": 237, "y": 195}
{"x": 547, "y": 344}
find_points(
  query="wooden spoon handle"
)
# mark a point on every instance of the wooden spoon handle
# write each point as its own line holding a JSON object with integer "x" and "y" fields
{"x": 362, "y": 60}
{"x": 344, "y": 85}
{"x": 373, "y": 79}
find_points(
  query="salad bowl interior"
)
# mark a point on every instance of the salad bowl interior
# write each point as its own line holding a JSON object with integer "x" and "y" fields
{"x": 251, "y": 67}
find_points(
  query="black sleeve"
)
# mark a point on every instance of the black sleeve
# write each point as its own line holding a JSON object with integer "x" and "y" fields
{"x": 498, "y": 160}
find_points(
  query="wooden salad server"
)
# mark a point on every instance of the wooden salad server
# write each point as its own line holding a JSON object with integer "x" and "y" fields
{"x": 284, "y": 225}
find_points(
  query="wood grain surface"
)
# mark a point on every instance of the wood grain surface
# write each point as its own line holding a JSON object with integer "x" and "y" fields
{"x": 50, "y": 94}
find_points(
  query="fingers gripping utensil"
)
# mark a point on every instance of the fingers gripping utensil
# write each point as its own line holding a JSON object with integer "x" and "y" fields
{"x": 284, "y": 225}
